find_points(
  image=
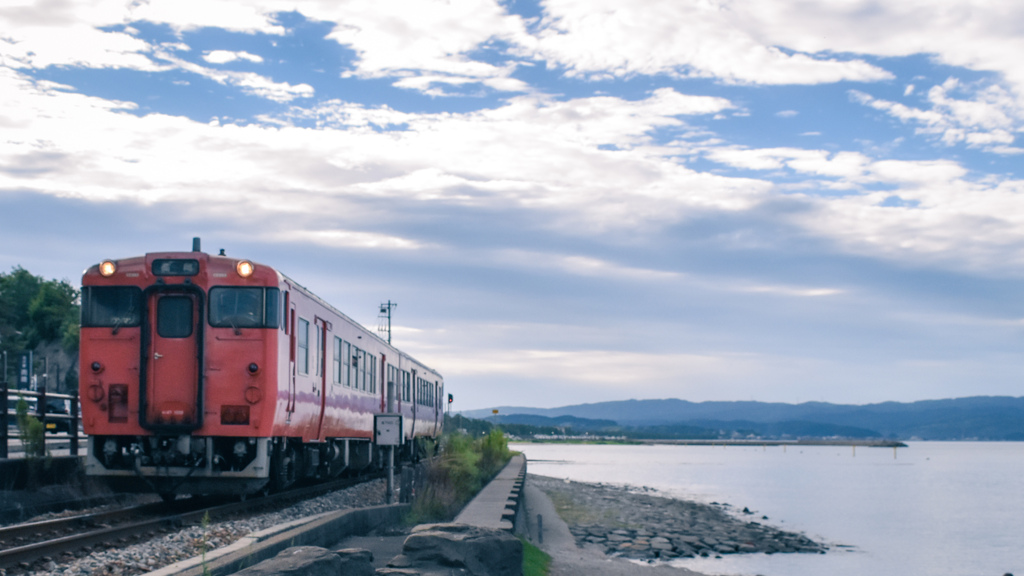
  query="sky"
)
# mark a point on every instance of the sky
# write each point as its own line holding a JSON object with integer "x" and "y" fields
{"x": 570, "y": 200}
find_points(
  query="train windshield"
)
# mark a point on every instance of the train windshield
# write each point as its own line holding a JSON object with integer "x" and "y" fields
{"x": 111, "y": 306}
{"x": 232, "y": 307}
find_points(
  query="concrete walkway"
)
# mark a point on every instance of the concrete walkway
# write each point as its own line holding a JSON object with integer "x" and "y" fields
{"x": 569, "y": 560}
{"x": 494, "y": 506}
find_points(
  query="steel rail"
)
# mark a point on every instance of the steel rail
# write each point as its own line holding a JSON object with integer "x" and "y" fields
{"x": 33, "y": 552}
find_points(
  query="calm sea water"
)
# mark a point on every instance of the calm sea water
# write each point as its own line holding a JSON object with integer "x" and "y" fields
{"x": 932, "y": 509}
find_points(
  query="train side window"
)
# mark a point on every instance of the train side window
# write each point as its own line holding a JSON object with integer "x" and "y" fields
{"x": 346, "y": 355}
{"x": 371, "y": 372}
{"x": 287, "y": 301}
{"x": 361, "y": 372}
{"x": 272, "y": 317}
{"x": 406, "y": 387}
{"x": 302, "y": 361}
{"x": 337, "y": 361}
{"x": 370, "y": 364}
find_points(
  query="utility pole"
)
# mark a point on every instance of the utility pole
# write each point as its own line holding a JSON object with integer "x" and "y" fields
{"x": 384, "y": 318}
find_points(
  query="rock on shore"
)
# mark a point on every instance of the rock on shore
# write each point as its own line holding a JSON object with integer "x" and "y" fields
{"x": 636, "y": 525}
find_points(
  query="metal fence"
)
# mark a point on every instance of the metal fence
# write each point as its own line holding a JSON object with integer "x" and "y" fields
{"x": 59, "y": 414}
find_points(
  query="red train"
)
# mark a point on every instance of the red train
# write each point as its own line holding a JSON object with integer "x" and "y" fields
{"x": 203, "y": 374}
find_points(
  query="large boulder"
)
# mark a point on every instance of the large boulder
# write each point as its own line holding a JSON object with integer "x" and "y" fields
{"x": 479, "y": 551}
{"x": 356, "y": 562}
{"x": 313, "y": 561}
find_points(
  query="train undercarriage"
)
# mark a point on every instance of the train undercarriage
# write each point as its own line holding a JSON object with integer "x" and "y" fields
{"x": 170, "y": 465}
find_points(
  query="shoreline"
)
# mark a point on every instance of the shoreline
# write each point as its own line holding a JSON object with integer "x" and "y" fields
{"x": 722, "y": 443}
{"x": 637, "y": 524}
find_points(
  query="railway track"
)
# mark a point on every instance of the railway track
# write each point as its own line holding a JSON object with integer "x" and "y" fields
{"x": 25, "y": 545}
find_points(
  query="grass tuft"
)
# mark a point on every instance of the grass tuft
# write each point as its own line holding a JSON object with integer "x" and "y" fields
{"x": 535, "y": 561}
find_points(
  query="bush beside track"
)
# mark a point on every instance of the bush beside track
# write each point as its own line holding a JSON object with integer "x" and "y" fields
{"x": 464, "y": 466}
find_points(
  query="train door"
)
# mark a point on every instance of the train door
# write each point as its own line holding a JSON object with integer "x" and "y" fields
{"x": 321, "y": 327}
{"x": 415, "y": 399}
{"x": 290, "y": 405}
{"x": 171, "y": 388}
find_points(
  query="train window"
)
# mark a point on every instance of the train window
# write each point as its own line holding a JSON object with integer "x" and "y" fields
{"x": 233, "y": 307}
{"x": 111, "y": 306}
{"x": 361, "y": 372}
{"x": 175, "y": 267}
{"x": 284, "y": 312}
{"x": 346, "y": 354}
{"x": 371, "y": 373}
{"x": 174, "y": 317}
{"x": 406, "y": 391}
{"x": 302, "y": 361}
{"x": 337, "y": 360}
{"x": 272, "y": 311}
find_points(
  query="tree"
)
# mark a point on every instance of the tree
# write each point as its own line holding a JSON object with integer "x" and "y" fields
{"x": 52, "y": 310}
{"x": 17, "y": 290}
{"x": 33, "y": 310}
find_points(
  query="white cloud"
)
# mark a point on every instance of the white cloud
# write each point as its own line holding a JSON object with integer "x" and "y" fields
{"x": 578, "y": 265}
{"x": 72, "y": 45}
{"x": 712, "y": 39}
{"x": 531, "y": 153}
{"x": 988, "y": 120}
{"x": 424, "y": 43}
{"x": 225, "y": 56}
{"x": 348, "y": 239}
{"x": 192, "y": 14}
{"x": 588, "y": 165}
{"x": 248, "y": 82}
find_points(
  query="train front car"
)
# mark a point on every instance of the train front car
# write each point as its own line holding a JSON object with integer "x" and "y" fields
{"x": 179, "y": 372}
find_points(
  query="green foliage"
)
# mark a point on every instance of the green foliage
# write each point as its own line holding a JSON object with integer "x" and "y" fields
{"x": 33, "y": 311}
{"x": 494, "y": 453}
{"x": 464, "y": 466}
{"x": 53, "y": 309}
{"x": 535, "y": 561}
{"x": 31, "y": 430}
{"x": 17, "y": 290}
{"x": 204, "y": 543}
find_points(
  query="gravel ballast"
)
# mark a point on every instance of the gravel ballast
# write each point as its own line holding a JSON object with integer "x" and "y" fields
{"x": 127, "y": 559}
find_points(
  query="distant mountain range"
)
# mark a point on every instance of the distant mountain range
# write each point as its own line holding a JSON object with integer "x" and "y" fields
{"x": 977, "y": 417}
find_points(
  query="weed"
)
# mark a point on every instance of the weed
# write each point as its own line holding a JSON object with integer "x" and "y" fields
{"x": 535, "y": 561}
{"x": 204, "y": 542}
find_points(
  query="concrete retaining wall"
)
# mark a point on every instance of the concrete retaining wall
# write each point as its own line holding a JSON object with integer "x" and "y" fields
{"x": 14, "y": 472}
{"x": 324, "y": 530}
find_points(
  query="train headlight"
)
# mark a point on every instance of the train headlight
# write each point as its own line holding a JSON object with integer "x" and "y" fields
{"x": 107, "y": 268}
{"x": 245, "y": 268}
